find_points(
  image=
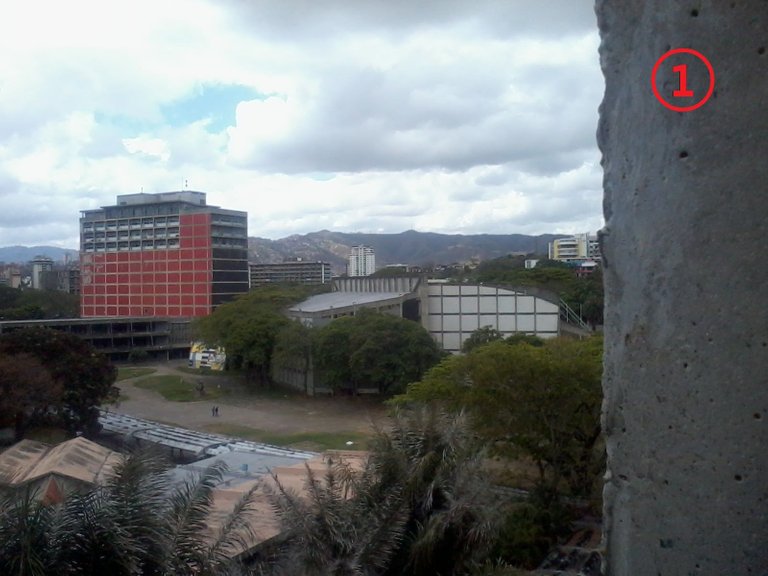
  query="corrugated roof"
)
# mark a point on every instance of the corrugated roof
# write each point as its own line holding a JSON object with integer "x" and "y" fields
{"x": 17, "y": 460}
{"x": 78, "y": 458}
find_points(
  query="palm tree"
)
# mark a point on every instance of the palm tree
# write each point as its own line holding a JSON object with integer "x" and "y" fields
{"x": 342, "y": 528}
{"x": 451, "y": 510}
{"x": 138, "y": 524}
{"x": 420, "y": 506}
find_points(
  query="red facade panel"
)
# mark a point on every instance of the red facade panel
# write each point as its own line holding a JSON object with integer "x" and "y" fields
{"x": 152, "y": 282}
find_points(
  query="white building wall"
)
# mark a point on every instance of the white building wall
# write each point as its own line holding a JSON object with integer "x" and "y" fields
{"x": 362, "y": 261}
{"x": 453, "y": 312}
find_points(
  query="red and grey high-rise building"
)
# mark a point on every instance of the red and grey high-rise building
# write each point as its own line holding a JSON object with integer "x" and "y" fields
{"x": 163, "y": 255}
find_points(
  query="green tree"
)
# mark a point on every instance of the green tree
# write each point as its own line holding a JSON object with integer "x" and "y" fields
{"x": 348, "y": 524}
{"x": 27, "y": 391}
{"x": 28, "y": 304}
{"x": 481, "y": 336}
{"x": 374, "y": 350}
{"x": 585, "y": 296}
{"x": 420, "y": 506}
{"x": 539, "y": 402}
{"x": 521, "y": 338}
{"x": 293, "y": 349}
{"x": 85, "y": 376}
{"x": 248, "y": 327}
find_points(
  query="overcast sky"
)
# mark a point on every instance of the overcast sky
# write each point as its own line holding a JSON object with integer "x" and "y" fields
{"x": 455, "y": 116}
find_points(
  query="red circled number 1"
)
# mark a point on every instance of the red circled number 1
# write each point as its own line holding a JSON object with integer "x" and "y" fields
{"x": 683, "y": 91}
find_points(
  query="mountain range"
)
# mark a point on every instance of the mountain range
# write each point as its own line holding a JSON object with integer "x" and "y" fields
{"x": 410, "y": 247}
{"x": 24, "y": 254}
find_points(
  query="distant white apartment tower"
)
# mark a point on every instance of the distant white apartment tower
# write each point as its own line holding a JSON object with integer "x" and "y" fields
{"x": 578, "y": 247}
{"x": 362, "y": 261}
{"x": 40, "y": 265}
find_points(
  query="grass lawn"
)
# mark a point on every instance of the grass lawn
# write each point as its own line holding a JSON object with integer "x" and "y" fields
{"x": 316, "y": 441}
{"x": 177, "y": 389}
{"x": 125, "y": 372}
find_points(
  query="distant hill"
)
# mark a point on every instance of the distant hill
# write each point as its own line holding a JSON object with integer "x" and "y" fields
{"x": 25, "y": 254}
{"x": 410, "y": 247}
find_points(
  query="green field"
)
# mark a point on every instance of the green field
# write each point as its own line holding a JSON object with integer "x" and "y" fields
{"x": 177, "y": 388}
{"x": 317, "y": 441}
{"x": 126, "y": 372}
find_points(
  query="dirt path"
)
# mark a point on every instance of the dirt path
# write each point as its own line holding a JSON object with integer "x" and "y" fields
{"x": 287, "y": 415}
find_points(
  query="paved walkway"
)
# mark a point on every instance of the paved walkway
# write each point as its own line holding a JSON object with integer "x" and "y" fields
{"x": 289, "y": 415}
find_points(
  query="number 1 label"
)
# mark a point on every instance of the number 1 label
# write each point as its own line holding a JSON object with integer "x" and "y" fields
{"x": 683, "y": 91}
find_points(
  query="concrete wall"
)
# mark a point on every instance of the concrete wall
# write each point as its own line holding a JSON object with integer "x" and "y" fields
{"x": 686, "y": 362}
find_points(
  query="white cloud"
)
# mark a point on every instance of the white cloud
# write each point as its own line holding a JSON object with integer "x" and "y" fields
{"x": 449, "y": 117}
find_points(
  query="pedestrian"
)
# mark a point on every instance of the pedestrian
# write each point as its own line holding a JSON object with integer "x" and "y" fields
{"x": 217, "y": 410}
{"x": 213, "y": 410}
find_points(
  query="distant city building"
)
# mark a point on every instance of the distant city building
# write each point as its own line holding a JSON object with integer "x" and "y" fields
{"x": 579, "y": 247}
{"x": 298, "y": 271}
{"x": 362, "y": 261}
{"x": 531, "y": 263}
{"x": 164, "y": 255}
{"x": 10, "y": 276}
{"x": 40, "y": 265}
{"x": 404, "y": 268}
{"x": 62, "y": 279}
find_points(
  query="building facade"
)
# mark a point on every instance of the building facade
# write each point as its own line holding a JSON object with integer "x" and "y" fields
{"x": 65, "y": 279}
{"x": 575, "y": 248}
{"x": 163, "y": 255}
{"x": 454, "y": 311}
{"x": 297, "y": 271}
{"x": 362, "y": 261}
{"x": 40, "y": 265}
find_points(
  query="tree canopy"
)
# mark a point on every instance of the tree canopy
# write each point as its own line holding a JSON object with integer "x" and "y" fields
{"x": 247, "y": 328}
{"x": 373, "y": 350}
{"x": 421, "y": 505}
{"x": 28, "y": 304}
{"x": 541, "y": 402}
{"x": 82, "y": 378}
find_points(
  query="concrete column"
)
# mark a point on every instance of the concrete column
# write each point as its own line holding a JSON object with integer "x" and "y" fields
{"x": 686, "y": 272}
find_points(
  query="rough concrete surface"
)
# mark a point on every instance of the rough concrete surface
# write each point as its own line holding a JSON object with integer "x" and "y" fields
{"x": 686, "y": 361}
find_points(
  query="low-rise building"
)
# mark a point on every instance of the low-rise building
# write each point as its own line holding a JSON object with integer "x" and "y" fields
{"x": 51, "y": 472}
{"x": 295, "y": 271}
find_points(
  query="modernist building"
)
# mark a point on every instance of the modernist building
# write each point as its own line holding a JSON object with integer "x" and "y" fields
{"x": 298, "y": 271}
{"x": 575, "y": 248}
{"x": 163, "y": 255}
{"x": 362, "y": 261}
{"x": 40, "y": 265}
{"x": 450, "y": 312}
